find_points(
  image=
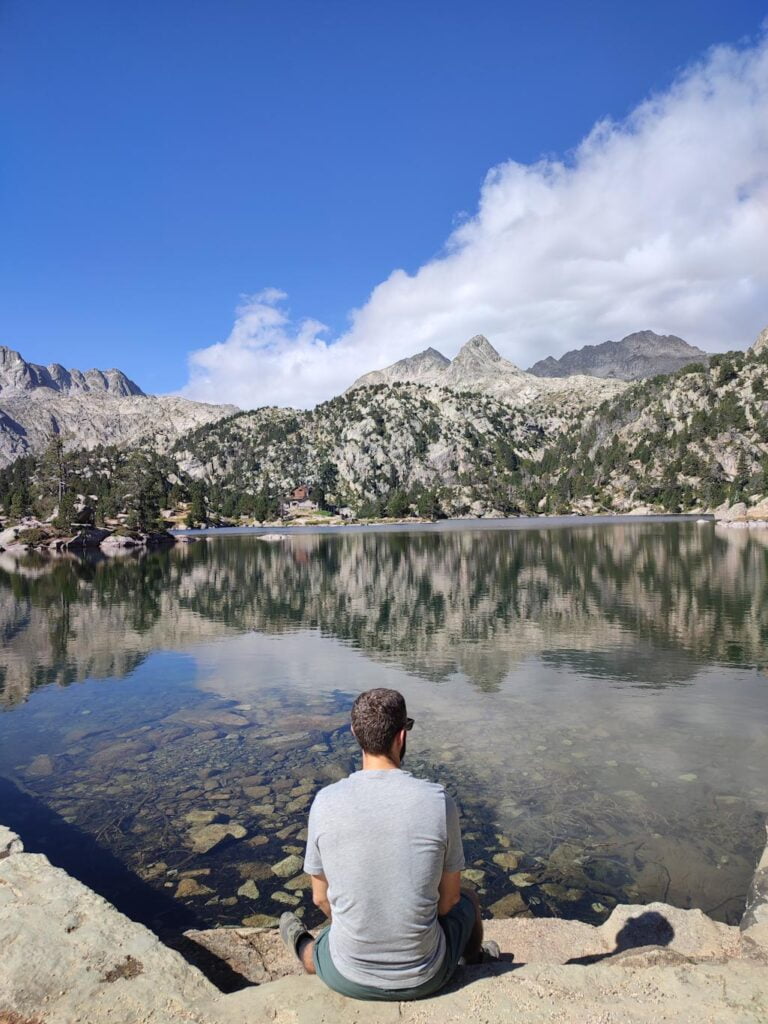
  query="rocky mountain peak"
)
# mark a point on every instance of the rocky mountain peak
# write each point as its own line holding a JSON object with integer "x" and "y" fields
{"x": 760, "y": 344}
{"x": 422, "y": 368}
{"x": 478, "y": 367}
{"x": 477, "y": 351}
{"x": 423, "y": 362}
{"x": 16, "y": 374}
{"x": 434, "y": 356}
{"x": 638, "y": 355}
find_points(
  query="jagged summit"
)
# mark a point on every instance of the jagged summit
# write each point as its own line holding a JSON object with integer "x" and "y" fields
{"x": 87, "y": 408}
{"x": 475, "y": 361}
{"x": 433, "y": 355}
{"x": 638, "y": 355}
{"x": 418, "y": 369}
{"x": 16, "y": 374}
{"x": 478, "y": 353}
{"x": 477, "y": 366}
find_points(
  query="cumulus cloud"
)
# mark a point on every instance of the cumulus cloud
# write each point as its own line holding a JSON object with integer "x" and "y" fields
{"x": 266, "y": 360}
{"x": 658, "y": 221}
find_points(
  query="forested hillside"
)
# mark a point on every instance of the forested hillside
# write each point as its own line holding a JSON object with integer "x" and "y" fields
{"x": 384, "y": 449}
{"x": 695, "y": 439}
{"x": 692, "y": 440}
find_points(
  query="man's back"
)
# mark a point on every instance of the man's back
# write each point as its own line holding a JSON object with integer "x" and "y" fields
{"x": 383, "y": 840}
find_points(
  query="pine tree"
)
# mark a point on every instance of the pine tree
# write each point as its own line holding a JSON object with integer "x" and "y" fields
{"x": 198, "y": 511}
{"x": 265, "y": 504}
{"x": 398, "y": 504}
{"x": 19, "y": 503}
{"x": 67, "y": 513}
{"x": 428, "y": 503}
{"x": 54, "y": 468}
{"x": 145, "y": 492}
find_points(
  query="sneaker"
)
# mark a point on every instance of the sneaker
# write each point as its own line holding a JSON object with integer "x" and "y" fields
{"x": 491, "y": 951}
{"x": 292, "y": 931}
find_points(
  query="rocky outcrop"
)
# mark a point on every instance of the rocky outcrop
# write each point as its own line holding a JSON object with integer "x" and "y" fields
{"x": 28, "y": 420}
{"x": 638, "y": 355}
{"x": 754, "y": 923}
{"x": 68, "y": 955}
{"x": 414, "y": 369}
{"x": 16, "y": 374}
{"x": 760, "y": 344}
{"x": 91, "y": 408}
{"x": 32, "y": 535}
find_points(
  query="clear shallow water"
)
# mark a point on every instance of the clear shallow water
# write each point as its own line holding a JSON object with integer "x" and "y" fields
{"x": 594, "y": 696}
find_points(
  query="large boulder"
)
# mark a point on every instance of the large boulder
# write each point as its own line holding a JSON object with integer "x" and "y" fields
{"x": 68, "y": 955}
{"x": 87, "y": 537}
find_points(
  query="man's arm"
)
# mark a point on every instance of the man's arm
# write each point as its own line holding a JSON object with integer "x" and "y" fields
{"x": 320, "y": 894}
{"x": 449, "y": 890}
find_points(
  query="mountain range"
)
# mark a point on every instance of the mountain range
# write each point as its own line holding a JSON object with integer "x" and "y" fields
{"x": 96, "y": 406}
{"x": 479, "y": 366}
{"x": 16, "y": 374}
{"x": 87, "y": 408}
{"x": 471, "y": 435}
{"x": 639, "y": 355}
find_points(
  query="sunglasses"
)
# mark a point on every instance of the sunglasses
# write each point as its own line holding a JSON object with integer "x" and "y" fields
{"x": 409, "y": 724}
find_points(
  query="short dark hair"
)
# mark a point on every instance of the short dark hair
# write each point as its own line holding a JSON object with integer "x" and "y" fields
{"x": 377, "y": 717}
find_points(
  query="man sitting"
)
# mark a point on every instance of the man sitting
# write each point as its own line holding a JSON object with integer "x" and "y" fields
{"x": 385, "y": 855}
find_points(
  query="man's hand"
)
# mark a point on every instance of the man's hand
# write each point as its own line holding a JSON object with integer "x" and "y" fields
{"x": 449, "y": 890}
{"x": 320, "y": 894}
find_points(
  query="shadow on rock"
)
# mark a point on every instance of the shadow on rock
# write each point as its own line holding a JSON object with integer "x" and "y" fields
{"x": 649, "y": 929}
{"x": 77, "y": 853}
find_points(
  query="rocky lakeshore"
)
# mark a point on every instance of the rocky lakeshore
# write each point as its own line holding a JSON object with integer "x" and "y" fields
{"x": 32, "y": 535}
{"x": 69, "y": 956}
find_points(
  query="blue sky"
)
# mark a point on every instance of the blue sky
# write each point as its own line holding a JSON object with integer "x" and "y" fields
{"x": 163, "y": 160}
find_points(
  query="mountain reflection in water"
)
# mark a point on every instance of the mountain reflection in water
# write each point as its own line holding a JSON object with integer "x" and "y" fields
{"x": 593, "y": 696}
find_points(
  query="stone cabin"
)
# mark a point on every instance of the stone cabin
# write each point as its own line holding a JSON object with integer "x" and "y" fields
{"x": 299, "y": 501}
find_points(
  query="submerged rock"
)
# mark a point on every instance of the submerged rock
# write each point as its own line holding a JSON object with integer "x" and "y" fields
{"x": 254, "y": 869}
{"x": 509, "y": 906}
{"x": 562, "y": 892}
{"x": 200, "y": 817}
{"x": 203, "y": 839}
{"x": 507, "y": 860}
{"x": 41, "y": 767}
{"x": 249, "y": 890}
{"x": 188, "y": 887}
{"x": 287, "y": 898}
{"x": 290, "y": 865}
{"x": 302, "y": 881}
{"x": 260, "y": 921}
{"x": 474, "y": 875}
{"x": 522, "y": 879}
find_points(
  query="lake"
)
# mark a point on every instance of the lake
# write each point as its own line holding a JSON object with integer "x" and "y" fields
{"x": 593, "y": 695}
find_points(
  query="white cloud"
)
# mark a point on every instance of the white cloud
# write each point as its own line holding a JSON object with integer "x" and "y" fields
{"x": 659, "y": 221}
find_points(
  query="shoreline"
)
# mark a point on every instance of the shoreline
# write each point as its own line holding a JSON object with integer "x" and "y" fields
{"x": 69, "y": 955}
{"x": 446, "y": 525}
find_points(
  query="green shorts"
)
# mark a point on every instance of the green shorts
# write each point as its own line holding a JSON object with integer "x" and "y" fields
{"x": 457, "y": 925}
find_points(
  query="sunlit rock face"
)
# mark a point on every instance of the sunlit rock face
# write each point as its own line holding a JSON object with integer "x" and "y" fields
{"x": 16, "y": 374}
{"x": 88, "y": 408}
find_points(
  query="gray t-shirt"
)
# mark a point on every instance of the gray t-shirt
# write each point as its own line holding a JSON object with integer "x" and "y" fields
{"x": 382, "y": 839}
